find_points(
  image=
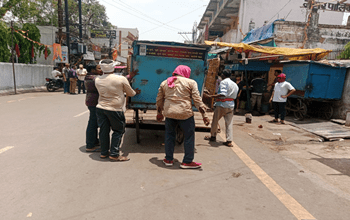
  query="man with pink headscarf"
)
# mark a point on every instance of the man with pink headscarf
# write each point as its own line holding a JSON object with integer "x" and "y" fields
{"x": 174, "y": 101}
{"x": 279, "y": 96}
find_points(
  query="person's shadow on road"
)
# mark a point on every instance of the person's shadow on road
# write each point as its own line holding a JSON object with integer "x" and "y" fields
{"x": 93, "y": 155}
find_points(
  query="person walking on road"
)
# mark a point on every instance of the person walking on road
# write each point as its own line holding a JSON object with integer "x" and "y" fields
{"x": 174, "y": 100}
{"x": 279, "y": 97}
{"x": 81, "y": 76}
{"x": 72, "y": 75}
{"x": 66, "y": 83}
{"x": 224, "y": 106}
{"x": 111, "y": 89}
{"x": 92, "y": 142}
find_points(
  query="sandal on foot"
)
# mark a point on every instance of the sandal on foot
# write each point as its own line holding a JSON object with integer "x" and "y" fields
{"x": 210, "y": 138}
{"x": 119, "y": 158}
{"x": 282, "y": 122}
{"x": 227, "y": 143}
{"x": 273, "y": 121}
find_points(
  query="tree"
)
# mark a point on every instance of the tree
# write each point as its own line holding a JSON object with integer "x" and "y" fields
{"x": 346, "y": 53}
{"x": 4, "y": 43}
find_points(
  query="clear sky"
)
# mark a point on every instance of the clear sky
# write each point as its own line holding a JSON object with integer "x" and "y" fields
{"x": 159, "y": 20}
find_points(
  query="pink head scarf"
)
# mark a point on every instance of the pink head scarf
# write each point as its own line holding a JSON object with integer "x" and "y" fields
{"x": 281, "y": 77}
{"x": 181, "y": 70}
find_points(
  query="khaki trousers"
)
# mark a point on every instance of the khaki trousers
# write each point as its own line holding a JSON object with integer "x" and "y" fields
{"x": 256, "y": 99}
{"x": 227, "y": 113}
{"x": 73, "y": 85}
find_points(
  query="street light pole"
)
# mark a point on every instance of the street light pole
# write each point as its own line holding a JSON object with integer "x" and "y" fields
{"x": 13, "y": 62}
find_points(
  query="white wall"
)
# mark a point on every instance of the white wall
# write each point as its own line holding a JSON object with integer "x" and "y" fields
{"x": 27, "y": 76}
{"x": 47, "y": 38}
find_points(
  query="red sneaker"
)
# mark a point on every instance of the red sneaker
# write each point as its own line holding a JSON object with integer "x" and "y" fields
{"x": 192, "y": 165}
{"x": 168, "y": 162}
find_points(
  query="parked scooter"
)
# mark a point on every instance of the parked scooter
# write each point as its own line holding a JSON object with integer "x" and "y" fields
{"x": 53, "y": 84}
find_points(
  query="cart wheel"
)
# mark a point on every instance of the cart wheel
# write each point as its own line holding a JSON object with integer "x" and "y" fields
{"x": 327, "y": 112}
{"x": 137, "y": 120}
{"x": 301, "y": 110}
{"x": 179, "y": 135}
{"x": 288, "y": 106}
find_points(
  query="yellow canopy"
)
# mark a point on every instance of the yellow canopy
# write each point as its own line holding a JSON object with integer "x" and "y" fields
{"x": 291, "y": 53}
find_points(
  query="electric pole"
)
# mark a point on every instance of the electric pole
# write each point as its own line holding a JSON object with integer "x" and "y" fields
{"x": 13, "y": 62}
{"x": 60, "y": 20}
{"x": 67, "y": 27}
{"x": 80, "y": 24}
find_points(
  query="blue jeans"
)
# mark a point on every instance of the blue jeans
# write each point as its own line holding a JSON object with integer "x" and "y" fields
{"x": 107, "y": 120}
{"x": 66, "y": 85}
{"x": 81, "y": 86}
{"x": 188, "y": 128}
{"x": 91, "y": 130}
{"x": 279, "y": 108}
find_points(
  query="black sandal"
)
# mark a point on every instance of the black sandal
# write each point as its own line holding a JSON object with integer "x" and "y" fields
{"x": 210, "y": 138}
{"x": 228, "y": 143}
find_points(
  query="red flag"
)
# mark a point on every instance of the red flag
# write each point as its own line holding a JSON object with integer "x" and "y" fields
{"x": 46, "y": 55}
{"x": 33, "y": 51}
{"x": 115, "y": 54}
{"x": 17, "y": 50}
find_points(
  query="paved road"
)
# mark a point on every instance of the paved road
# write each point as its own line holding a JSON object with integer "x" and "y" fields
{"x": 46, "y": 173}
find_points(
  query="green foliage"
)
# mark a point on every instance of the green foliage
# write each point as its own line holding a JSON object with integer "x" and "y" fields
{"x": 4, "y": 43}
{"x": 7, "y": 5}
{"x": 32, "y": 32}
{"x": 346, "y": 53}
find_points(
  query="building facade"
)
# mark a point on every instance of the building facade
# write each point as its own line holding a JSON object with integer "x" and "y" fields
{"x": 231, "y": 20}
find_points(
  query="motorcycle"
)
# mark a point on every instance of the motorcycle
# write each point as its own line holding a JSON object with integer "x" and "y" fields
{"x": 53, "y": 84}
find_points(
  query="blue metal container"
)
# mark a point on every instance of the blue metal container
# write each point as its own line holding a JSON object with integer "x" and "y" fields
{"x": 314, "y": 80}
{"x": 156, "y": 61}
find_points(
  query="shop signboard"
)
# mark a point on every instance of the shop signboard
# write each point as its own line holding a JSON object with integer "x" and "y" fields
{"x": 178, "y": 52}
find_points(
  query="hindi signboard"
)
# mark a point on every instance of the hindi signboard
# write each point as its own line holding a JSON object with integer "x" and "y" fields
{"x": 163, "y": 51}
{"x": 327, "y": 6}
{"x": 104, "y": 34}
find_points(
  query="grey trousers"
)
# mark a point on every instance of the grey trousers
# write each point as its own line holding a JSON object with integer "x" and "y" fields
{"x": 227, "y": 113}
{"x": 256, "y": 99}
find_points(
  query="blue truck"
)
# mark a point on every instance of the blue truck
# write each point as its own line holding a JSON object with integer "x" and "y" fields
{"x": 155, "y": 62}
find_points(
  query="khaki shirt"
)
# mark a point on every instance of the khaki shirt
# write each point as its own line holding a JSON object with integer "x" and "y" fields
{"x": 176, "y": 102}
{"x": 111, "y": 89}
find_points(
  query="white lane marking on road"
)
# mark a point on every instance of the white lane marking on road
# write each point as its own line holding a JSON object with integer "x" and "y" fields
{"x": 5, "y": 149}
{"x": 81, "y": 114}
{"x": 21, "y": 99}
{"x": 288, "y": 201}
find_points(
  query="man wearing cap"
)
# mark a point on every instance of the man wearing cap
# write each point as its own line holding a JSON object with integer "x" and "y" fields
{"x": 110, "y": 115}
{"x": 279, "y": 96}
{"x": 81, "y": 77}
{"x": 174, "y": 100}
{"x": 224, "y": 107}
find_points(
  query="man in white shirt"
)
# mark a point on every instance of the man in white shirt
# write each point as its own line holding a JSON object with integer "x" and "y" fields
{"x": 81, "y": 77}
{"x": 55, "y": 73}
{"x": 279, "y": 96}
{"x": 224, "y": 106}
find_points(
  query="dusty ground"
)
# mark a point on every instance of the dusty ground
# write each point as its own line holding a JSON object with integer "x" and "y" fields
{"x": 328, "y": 160}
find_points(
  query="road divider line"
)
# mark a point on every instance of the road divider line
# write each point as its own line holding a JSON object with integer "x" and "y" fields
{"x": 287, "y": 200}
{"x": 5, "y": 149}
{"x": 81, "y": 114}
